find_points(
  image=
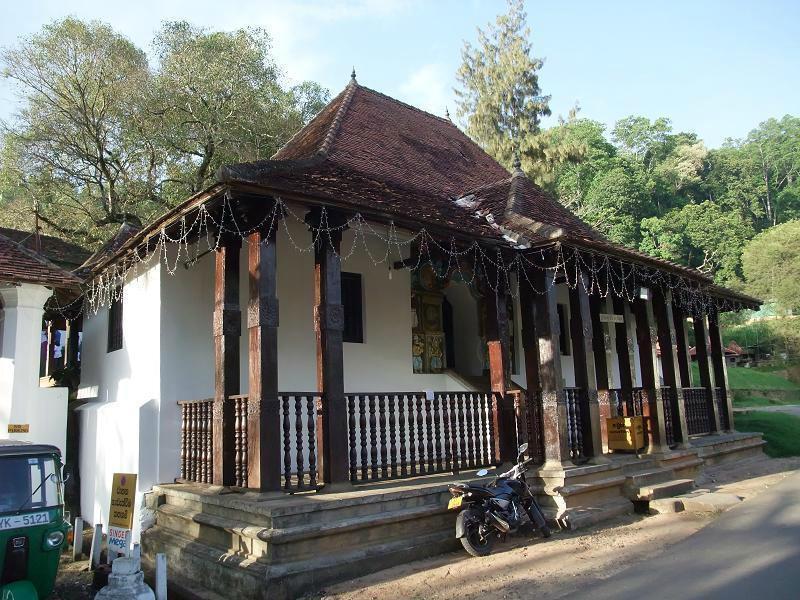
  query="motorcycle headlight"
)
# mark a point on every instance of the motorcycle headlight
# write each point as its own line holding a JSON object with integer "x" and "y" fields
{"x": 54, "y": 539}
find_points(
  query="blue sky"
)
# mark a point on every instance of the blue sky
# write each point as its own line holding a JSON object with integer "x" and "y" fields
{"x": 716, "y": 68}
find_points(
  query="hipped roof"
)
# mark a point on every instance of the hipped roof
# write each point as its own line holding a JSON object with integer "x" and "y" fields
{"x": 19, "y": 264}
{"x": 370, "y": 152}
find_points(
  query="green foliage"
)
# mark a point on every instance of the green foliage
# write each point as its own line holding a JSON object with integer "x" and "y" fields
{"x": 743, "y": 378}
{"x": 771, "y": 262}
{"x": 755, "y": 401}
{"x": 781, "y": 431}
{"x": 102, "y": 137}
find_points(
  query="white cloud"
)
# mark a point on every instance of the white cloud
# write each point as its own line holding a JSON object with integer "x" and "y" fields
{"x": 428, "y": 88}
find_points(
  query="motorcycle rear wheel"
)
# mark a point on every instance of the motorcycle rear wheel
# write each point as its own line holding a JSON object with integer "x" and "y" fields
{"x": 474, "y": 544}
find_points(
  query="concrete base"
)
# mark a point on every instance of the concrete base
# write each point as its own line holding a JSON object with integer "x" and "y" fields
{"x": 264, "y": 546}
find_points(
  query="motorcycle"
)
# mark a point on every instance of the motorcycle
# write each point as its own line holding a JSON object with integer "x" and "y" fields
{"x": 492, "y": 512}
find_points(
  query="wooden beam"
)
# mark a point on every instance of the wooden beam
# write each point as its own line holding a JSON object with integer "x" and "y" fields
{"x": 682, "y": 339}
{"x": 530, "y": 349}
{"x": 227, "y": 330}
{"x": 668, "y": 343}
{"x": 263, "y": 414}
{"x": 624, "y": 345}
{"x": 332, "y": 446}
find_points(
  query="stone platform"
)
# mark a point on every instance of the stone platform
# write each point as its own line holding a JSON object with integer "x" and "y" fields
{"x": 276, "y": 546}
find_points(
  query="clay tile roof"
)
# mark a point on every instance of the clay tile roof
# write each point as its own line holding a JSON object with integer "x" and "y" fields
{"x": 124, "y": 233}
{"x": 61, "y": 252}
{"x": 19, "y": 264}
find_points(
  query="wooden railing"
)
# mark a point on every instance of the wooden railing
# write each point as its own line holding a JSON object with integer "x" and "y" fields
{"x": 695, "y": 403}
{"x": 529, "y": 423}
{"x": 240, "y": 441}
{"x": 298, "y": 412}
{"x": 196, "y": 441}
{"x": 405, "y": 434}
{"x": 669, "y": 401}
{"x": 576, "y": 401}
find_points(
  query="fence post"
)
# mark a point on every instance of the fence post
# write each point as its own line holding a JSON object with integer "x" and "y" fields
{"x": 94, "y": 553}
{"x": 77, "y": 539}
{"x": 161, "y": 576}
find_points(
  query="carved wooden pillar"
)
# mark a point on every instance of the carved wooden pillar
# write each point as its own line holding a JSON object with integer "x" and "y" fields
{"x": 263, "y": 414}
{"x": 332, "y": 445}
{"x": 554, "y": 402}
{"x": 602, "y": 363}
{"x": 720, "y": 368}
{"x": 652, "y": 408}
{"x": 667, "y": 341}
{"x": 497, "y": 340}
{"x": 704, "y": 366}
{"x": 227, "y": 330}
{"x": 585, "y": 371}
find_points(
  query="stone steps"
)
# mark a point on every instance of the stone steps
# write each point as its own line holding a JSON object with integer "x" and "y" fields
{"x": 666, "y": 489}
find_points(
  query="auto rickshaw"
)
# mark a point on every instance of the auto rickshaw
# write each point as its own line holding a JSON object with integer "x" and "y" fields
{"x": 32, "y": 525}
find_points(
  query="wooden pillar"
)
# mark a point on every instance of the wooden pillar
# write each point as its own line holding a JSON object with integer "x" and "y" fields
{"x": 652, "y": 408}
{"x": 554, "y": 402}
{"x": 682, "y": 339}
{"x": 74, "y": 327}
{"x": 497, "y": 340}
{"x": 704, "y": 367}
{"x": 668, "y": 342}
{"x": 227, "y": 330}
{"x": 585, "y": 368}
{"x": 530, "y": 349}
{"x": 720, "y": 369}
{"x": 332, "y": 441}
{"x": 263, "y": 413}
{"x": 602, "y": 362}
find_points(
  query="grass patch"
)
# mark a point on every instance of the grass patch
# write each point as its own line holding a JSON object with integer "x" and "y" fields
{"x": 756, "y": 401}
{"x": 751, "y": 379}
{"x": 781, "y": 431}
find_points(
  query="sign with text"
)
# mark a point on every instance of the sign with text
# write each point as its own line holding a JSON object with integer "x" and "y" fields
{"x": 609, "y": 318}
{"x": 123, "y": 494}
{"x": 19, "y": 428}
{"x": 119, "y": 540}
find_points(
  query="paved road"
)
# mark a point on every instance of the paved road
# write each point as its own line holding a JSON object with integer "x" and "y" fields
{"x": 751, "y": 551}
{"x": 792, "y": 409}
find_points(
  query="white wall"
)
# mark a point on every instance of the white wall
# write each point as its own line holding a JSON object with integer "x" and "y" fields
{"x": 22, "y": 401}
{"x": 120, "y": 424}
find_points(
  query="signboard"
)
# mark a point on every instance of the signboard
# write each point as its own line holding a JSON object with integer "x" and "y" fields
{"x": 609, "y": 318}
{"x": 19, "y": 428}
{"x": 118, "y": 540}
{"x": 625, "y": 433}
{"x": 123, "y": 494}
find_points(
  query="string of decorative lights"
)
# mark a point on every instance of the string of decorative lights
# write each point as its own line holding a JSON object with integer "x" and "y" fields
{"x": 597, "y": 272}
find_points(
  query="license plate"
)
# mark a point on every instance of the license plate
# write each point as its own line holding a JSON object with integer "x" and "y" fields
{"x": 29, "y": 520}
{"x": 455, "y": 502}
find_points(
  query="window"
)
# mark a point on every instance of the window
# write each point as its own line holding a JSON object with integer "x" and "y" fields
{"x": 115, "y": 323}
{"x": 563, "y": 330}
{"x": 352, "y": 300}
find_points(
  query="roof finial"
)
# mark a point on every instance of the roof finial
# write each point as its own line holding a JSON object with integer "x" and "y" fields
{"x": 353, "y": 75}
{"x": 447, "y": 113}
{"x": 517, "y": 163}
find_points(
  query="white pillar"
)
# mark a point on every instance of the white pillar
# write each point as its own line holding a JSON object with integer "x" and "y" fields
{"x": 20, "y": 347}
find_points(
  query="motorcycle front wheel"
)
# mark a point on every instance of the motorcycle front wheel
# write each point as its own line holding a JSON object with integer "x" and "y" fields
{"x": 473, "y": 542}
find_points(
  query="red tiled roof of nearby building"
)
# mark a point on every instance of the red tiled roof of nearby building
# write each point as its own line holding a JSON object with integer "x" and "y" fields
{"x": 19, "y": 264}
{"x": 61, "y": 252}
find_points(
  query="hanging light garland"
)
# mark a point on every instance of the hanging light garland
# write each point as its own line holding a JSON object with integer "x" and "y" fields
{"x": 596, "y": 272}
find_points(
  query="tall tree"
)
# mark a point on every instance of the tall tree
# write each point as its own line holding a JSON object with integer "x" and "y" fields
{"x": 499, "y": 92}
{"x": 77, "y": 164}
{"x": 771, "y": 263}
{"x": 101, "y": 138}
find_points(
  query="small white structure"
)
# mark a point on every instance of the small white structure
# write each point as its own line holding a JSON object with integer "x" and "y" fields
{"x": 27, "y": 411}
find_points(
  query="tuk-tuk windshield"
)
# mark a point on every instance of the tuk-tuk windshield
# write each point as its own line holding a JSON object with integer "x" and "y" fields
{"x": 28, "y": 482}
